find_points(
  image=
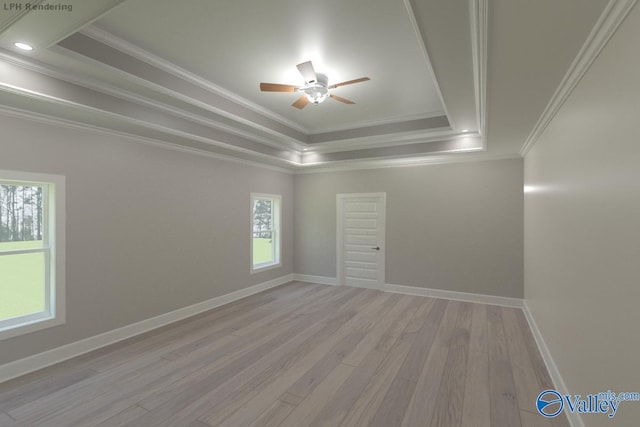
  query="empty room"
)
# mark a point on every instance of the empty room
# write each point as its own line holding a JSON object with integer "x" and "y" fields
{"x": 392, "y": 213}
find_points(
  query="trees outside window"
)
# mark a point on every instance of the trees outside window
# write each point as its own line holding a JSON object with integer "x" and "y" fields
{"x": 265, "y": 231}
{"x": 30, "y": 288}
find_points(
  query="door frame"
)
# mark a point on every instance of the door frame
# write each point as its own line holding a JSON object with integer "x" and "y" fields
{"x": 340, "y": 201}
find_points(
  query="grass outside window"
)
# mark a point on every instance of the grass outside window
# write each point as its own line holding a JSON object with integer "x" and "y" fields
{"x": 21, "y": 286}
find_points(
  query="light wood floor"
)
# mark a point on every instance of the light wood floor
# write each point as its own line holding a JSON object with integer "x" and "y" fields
{"x": 302, "y": 355}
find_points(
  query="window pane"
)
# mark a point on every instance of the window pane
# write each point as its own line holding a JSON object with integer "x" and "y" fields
{"x": 263, "y": 248}
{"x": 21, "y": 213}
{"x": 21, "y": 283}
{"x": 262, "y": 215}
{"x": 265, "y": 223}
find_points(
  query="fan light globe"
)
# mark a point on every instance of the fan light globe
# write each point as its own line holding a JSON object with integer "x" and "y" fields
{"x": 317, "y": 91}
{"x": 316, "y": 95}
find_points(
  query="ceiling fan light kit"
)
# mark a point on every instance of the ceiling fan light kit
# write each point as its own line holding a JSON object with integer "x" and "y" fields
{"x": 315, "y": 89}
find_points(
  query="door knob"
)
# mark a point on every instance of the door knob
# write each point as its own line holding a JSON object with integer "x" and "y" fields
{"x": 377, "y": 248}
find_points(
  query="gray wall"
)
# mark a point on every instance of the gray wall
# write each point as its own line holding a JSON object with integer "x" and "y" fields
{"x": 582, "y": 229}
{"x": 149, "y": 230}
{"x": 456, "y": 227}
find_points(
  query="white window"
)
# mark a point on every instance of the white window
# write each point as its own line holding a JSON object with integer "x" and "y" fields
{"x": 265, "y": 231}
{"x": 31, "y": 252}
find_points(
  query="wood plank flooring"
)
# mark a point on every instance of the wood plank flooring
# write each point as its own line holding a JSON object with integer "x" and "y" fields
{"x": 302, "y": 355}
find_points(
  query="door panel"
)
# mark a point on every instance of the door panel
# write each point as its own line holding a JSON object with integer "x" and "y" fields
{"x": 361, "y": 254}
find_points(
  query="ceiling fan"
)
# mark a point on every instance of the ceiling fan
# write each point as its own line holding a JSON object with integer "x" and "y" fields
{"x": 315, "y": 89}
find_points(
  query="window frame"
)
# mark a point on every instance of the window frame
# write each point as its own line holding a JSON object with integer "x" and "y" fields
{"x": 53, "y": 248}
{"x": 276, "y": 200}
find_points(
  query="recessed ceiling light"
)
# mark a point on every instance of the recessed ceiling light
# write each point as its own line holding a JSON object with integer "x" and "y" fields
{"x": 23, "y": 46}
{"x": 464, "y": 130}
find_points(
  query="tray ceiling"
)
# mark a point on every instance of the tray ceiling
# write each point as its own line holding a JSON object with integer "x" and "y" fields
{"x": 239, "y": 44}
{"x": 186, "y": 74}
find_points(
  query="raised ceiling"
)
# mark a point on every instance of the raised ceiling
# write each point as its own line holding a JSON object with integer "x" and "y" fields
{"x": 449, "y": 80}
{"x": 237, "y": 44}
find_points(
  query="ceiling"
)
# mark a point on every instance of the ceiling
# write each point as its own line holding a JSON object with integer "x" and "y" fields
{"x": 245, "y": 42}
{"x": 450, "y": 80}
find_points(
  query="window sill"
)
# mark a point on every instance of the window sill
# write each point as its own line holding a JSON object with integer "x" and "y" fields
{"x": 260, "y": 269}
{"x": 27, "y": 327}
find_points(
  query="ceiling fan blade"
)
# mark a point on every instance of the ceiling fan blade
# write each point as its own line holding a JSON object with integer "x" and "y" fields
{"x": 349, "y": 82}
{"x": 307, "y": 71}
{"x": 301, "y": 102}
{"x": 341, "y": 99}
{"x": 275, "y": 87}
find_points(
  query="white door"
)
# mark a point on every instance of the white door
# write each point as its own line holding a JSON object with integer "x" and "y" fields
{"x": 361, "y": 250}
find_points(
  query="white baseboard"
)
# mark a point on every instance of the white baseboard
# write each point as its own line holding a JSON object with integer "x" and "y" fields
{"x": 424, "y": 292}
{"x": 454, "y": 295}
{"x": 322, "y": 280}
{"x": 574, "y": 419}
{"x": 60, "y": 354}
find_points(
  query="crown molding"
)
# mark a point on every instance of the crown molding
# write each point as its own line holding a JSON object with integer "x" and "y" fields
{"x": 136, "y": 71}
{"x": 437, "y": 159}
{"x": 172, "y": 132}
{"x": 143, "y": 124}
{"x": 280, "y": 140}
{"x": 57, "y": 92}
{"x": 391, "y": 120}
{"x": 292, "y": 168}
{"x": 227, "y": 122}
{"x": 93, "y": 84}
{"x": 425, "y": 53}
{"x": 347, "y": 144}
{"x": 390, "y": 140}
{"x": 605, "y": 27}
{"x": 75, "y": 125}
{"x": 479, "y": 12}
{"x": 130, "y": 49}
